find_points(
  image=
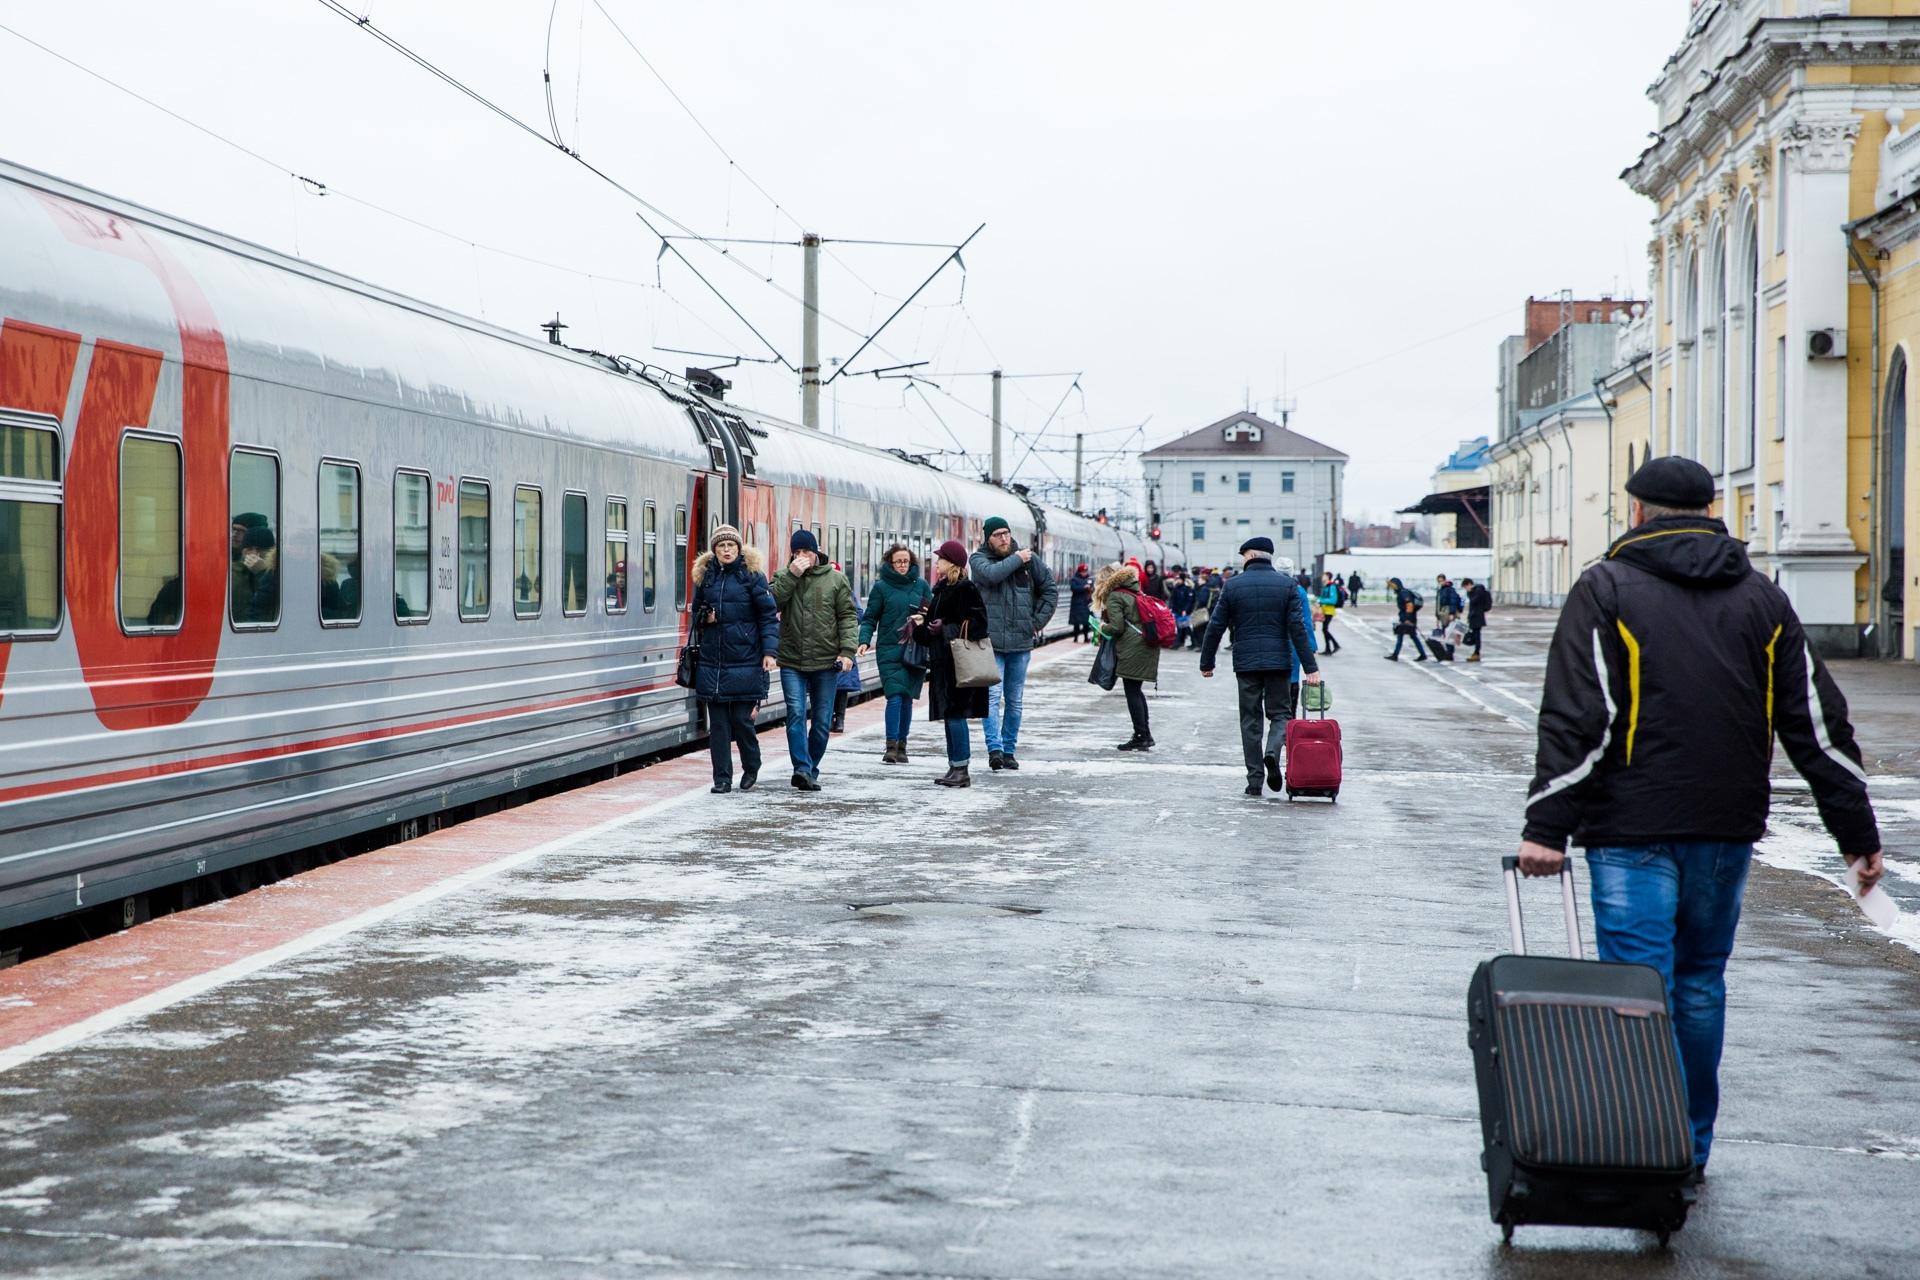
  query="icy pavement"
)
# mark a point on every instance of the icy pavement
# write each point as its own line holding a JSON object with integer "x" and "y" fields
{"x": 1103, "y": 1017}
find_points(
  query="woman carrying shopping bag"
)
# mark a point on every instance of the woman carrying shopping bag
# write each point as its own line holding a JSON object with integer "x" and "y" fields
{"x": 955, "y": 619}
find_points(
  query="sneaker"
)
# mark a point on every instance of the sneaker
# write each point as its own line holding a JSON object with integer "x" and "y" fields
{"x": 1008, "y": 762}
{"x": 802, "y": 782}
{"x": 1473, "y": 657}
{"x": 1273, "y": 771}
{"x": 1134, "y": 743}
{"x": 996, "y": 760}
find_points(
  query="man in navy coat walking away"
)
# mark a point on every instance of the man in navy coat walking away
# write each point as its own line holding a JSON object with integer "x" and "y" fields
{"x": 1262, "y": 607}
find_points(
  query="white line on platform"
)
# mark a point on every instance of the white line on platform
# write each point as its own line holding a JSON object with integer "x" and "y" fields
{"x": 200, "y": 984}
{"x": 1457, "y": 687}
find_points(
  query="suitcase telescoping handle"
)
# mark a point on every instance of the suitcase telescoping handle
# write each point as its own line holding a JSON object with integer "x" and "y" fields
{"x": 1510, "y": 868}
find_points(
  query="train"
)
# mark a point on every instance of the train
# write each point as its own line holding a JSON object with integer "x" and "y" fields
{"x": 286, "y": 557}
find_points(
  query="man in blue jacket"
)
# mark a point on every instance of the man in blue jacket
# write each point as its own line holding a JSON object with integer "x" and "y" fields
{"x": 1264, "y": 610}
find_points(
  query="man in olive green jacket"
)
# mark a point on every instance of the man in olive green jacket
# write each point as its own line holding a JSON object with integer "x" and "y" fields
{"x": 819, "y": 632}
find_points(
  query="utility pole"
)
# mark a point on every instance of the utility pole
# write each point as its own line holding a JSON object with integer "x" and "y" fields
{"x": 810, "y": 330}
{"x": 1078, "y": 442}
{"x": 996, "y": 428}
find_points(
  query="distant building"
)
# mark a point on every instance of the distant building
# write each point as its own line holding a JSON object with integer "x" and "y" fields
{"x": 1245, "y": 476}
{"x": 1550, "y": 470}
{"x": 1455, "y": 513}
{"x": 1381, "y": 535}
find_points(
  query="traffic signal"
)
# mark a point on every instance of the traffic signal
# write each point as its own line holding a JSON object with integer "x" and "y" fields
{"x": 1153, "y": 527}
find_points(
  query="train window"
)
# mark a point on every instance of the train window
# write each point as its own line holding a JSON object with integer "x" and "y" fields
{"x": 253, "y": 502}
{"x": 649, "y": 543}
{"x": 526, "y": 551}
{"x": 573, "y": 554}
{"x": 339, "y": 544}
{"x": 29, "y": 528}
{"x": 476, "y": 550}
{"x": 150, "y": 591}
{"x": 819, "y": 538}
{"x": 680, "y": 557}
{"x": 413, "y": 547}
{"x": 833, "y": 537}
{"x": 616, "y": 557}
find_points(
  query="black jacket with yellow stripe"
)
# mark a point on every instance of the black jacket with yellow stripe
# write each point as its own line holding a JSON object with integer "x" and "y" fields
{"x": 1673, "y": 667}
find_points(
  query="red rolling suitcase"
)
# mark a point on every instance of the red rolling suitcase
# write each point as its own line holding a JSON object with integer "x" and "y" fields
{"x": 1313, "y": 757}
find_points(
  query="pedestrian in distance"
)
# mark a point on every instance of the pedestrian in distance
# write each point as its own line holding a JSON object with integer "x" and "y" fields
{"x": 1311, "y": 608}
{"x": 738, "y": 634}
{"x": 1673, "y": 667}
{"x": 1262, "y": 610}
{"x": 1447, "y": 605}
{"x": 1135, "y": 661}
{"x": 1021, "y": 595}
{"x": 1329, "y": 609}
{"x": 1406, "y": 619}
{"x": 1479, "y": 601}
{"x": 900, "y": 593}
{"x": 956, "y": 611}
{"x": 1180, "y": 598}
{"x": 1206, "y": 597}
{"x": 1080, "y": 604}
{"x": 818, "y": 636}
{"x": 1153, "y": 582}
{"x": 1353, "y": 586}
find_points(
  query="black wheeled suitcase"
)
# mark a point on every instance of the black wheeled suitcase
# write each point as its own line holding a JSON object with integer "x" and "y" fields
{"x": 1582, "y": 1111}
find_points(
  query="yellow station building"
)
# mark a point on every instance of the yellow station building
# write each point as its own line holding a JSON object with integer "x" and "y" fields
{"x": 1786, "y": 175}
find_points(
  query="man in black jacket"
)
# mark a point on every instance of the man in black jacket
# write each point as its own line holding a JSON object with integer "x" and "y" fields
{"x": 1479, "y": 600}
{"x": 1406, "y": 620}
{"x": 1673, "y": 667}
{"x": 1261, "y": 606}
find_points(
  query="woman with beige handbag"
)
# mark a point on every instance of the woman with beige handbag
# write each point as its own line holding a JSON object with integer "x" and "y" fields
{"x": 962, "y": 667}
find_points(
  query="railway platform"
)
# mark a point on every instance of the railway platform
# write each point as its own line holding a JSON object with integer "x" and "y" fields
{"x": 1102, "y": 1017}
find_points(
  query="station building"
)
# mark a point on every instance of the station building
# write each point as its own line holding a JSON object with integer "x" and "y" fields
{"x": 1781, "y": 318}
{"x": 1245, "y": 476}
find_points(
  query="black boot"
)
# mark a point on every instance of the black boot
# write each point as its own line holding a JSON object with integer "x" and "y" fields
{"x": 1135, "y": 743}
{"x": 721, "y": 786}
{"x": 748, "y": 778}
{"x": 956, "y": 776}
{"x": 996, "y": 760}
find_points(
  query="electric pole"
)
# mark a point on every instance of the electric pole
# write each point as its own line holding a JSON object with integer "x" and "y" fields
{"x": 810, "y": 330}
{"x": 1079, "y": 442}
{"x": 996, "y": 427}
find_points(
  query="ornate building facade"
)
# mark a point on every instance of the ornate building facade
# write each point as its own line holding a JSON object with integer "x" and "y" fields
{"x": 1763, "y": 363}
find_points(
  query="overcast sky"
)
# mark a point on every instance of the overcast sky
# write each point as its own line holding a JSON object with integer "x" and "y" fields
{"x": 1180, "y": 201}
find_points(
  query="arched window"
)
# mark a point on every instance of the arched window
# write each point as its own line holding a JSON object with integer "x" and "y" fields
{"x": 1752, "y": 326}
{"x": 1716, "y": 338}
{"x": 1685, "y": 433}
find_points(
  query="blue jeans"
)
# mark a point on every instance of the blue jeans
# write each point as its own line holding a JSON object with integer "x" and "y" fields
{"x": 1674, "y": 907}
{"x": 899, "y": 716}
{"x": 1005, "y": 701}
{"x": 809, "y": 696}
{"x": 959, "y": 742}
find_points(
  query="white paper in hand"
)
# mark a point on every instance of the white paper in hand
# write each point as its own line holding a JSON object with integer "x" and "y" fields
{"x": 1880, "y": 910}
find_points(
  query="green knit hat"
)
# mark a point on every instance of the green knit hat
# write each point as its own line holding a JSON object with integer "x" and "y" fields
{"x": 994, "y": 524}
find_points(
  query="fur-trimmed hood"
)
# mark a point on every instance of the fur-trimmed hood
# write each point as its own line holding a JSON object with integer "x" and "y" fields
{"x": 750, "y": 556}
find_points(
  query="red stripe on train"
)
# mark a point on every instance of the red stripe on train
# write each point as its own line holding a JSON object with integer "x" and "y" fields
{"x": 164, "y": 768}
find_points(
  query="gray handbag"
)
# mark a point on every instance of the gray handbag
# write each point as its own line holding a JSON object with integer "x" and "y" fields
{"x": 973, "y": 664}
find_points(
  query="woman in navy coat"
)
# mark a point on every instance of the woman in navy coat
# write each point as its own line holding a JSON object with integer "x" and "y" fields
{"x": 737, "y": 627}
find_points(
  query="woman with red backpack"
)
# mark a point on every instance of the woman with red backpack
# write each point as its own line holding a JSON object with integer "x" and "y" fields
{"x": 1116, "y": 602}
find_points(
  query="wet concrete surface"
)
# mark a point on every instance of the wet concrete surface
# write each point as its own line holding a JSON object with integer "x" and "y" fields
{"x": 1103, "y": 1017}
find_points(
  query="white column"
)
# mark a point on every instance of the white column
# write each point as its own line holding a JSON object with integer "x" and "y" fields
{"x": 1817, "y": 556}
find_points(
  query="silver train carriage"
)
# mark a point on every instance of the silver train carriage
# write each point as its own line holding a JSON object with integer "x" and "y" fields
{"x": 286, "y": 557}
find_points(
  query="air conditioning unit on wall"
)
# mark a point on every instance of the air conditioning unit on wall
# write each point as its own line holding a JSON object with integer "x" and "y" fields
{"x": 1826, "y": 344}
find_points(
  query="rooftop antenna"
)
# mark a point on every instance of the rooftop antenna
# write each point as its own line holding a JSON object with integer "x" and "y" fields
{"x": 1286, "y": 404}
{"x": 553, "y": 328}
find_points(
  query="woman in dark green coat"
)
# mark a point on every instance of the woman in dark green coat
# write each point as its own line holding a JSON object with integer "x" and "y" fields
{"x": 899, "y": 594}
{"x": 1135, "y": 661}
